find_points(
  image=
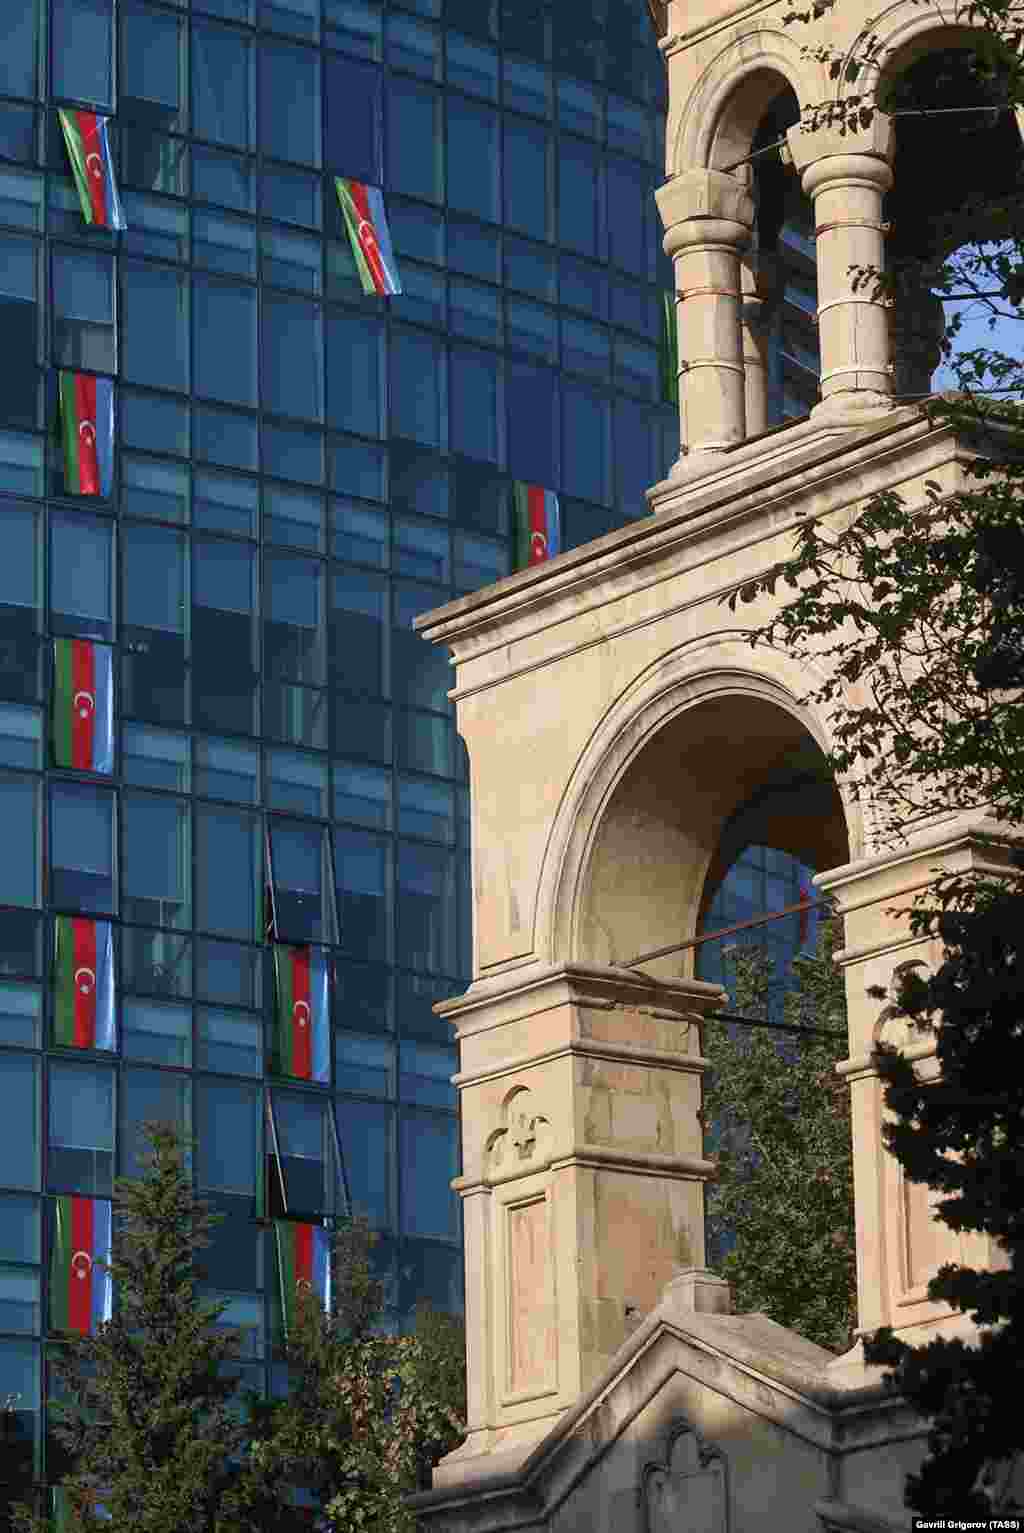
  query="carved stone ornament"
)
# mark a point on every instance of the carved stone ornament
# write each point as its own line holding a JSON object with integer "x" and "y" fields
{"x": 688, "y": 1490}
{"x": 515, "y": 1143}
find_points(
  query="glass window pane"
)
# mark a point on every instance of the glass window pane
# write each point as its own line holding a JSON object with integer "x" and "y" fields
{"x": 307, "y": 1157}
{"x": 586, "y": 417}
{"x": 83, "y": 309}
{"x": 228, "y": 869}
{"x": 361, "y": 869}
{"x": 156, "y": 1033}
{"x": 429, "y": 1161}
{"x": 228, "y": 1123}
{"x": 81, "y": 1149}
{"x": 19, "y": 1109}
{"x": 415, "y": 140}
{"x": 302, "y": 902}
{"x": 151, "y": 1095}
{"x": 527, "y": 176}
{"x": 474, "y": 159}
{"x": 362, "y": 728}
{"x": 353, "y": 118}
{"x": 19, "y": 57}
{"x": 82, "y": 49}
{"x": 415, "y": 47}
{"x": 362, "y": 795}
{"x": 426, "y": 1072}
{"x": 424, "y": 742}
{"x": 20, "y": 1229}
{"x": 357, "y": 630}
{"x": 296, "y": 782}
{"x": 362, "y": 996}
{"x": 292, "y": 357}
{"x": 229, "y": 974}
{"x": 367, "y": 1140}
{"x": 80, "y": 576}
{"x": 157, "y": 861}
{"x": 225, "y": 179}
{"x": 225, "y": 341}
{"x": 152, "y": 66}
{"x": 229, "y": 1041}
{"x": 419, "y": 403}
{"x": 223, "y": 86}
{"x": 532, "y": 403}
{"x": 477, "y": 404}
{"x": 527, "y": 86}
{"x": 81, "y": 847}
{"x": 355, "y": 367}
{"x": 223, "y": 632}
{"x": 628, "y": 189}
{"x": 580, "y": 198}
{"x": 425, "y": 809}
{"x": 359, "y": 534}
{"x": 472, "y": 66}
{"x": 222, "y": 503}
{"x": 363, "y": 1063}
{"x": 421, "y": 673}
{"x": 293, "y": 647}
{"x": 226, "y": 769}
{"x": 155, "y": 325}
{"x": 425, "y": 908}
{"x": 421, "y": 548}
{"x": 19, "y": 815}
{"x": 21, "y": 1010}
{"x": 290, "y": 102}
{"x": 224, "y": 244}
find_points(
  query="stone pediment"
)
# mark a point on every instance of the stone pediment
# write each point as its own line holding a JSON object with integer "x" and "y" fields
{"x": 679, "y": 1434}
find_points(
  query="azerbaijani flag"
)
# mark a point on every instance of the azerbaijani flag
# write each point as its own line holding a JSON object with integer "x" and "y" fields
{"x": 301, "y": 1016}
{"x": 538, "y": 532}
{"x": 82, "y": 722}
{"x": 668, "y": 351}
{"x": 87, "y": 415}
{"x": 83, "y": 982}
{"x": 81, "y": 1290}
{"x": 88, "y": 145}
{"x": 63, "y": 1500}
{"x": 303, "y": 1261}
{"x": 369, "y": 236}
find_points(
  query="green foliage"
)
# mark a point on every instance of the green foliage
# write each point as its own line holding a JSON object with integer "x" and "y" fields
{"x": 146, "y": 1416}
{"x": 368, "y": 1414}
{"x": 962, "y": 1135}
{"x": 785, "y": 1178}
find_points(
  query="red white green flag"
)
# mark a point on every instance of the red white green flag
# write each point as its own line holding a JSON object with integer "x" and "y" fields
{"x": 87, "y": 417}
{"x": 64, "y": 1502}
{"x": 537, "y": 524}
{"x": 83, "y": 1011}
{"x": 303, "y": 1262}
{"x": 81, "y": 1288}
{"x": 82, "y": 723}
{"x": 301, "y": 1014}
{"x": 369, "y": 235}
{"x": 88, "y": 146}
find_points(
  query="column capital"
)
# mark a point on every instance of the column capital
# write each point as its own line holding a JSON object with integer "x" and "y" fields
{"x": 707, "y": 195}
{"x": 875, "y": 142}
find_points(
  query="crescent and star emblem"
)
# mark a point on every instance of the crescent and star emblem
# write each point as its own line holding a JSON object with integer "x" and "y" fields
{"x": 300, "y": 1011}
{"x": 84, "y": 703}
{"x": 81, "y": 1264}
{"x": 85, "y": 981}
{"x": 94, "y": 165}
{"x": 87, "y": 431}
{"x": 539, "y": 542}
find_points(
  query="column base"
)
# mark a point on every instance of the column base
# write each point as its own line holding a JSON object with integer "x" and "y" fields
{"x": 850, "y": 407}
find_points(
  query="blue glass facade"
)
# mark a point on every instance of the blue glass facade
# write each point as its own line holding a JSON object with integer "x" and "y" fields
{"x": 299, "y": 471}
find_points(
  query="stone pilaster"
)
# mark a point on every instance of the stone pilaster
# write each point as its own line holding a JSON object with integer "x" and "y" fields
{"x": 900, "y": 1245}
{"x": 847, "y": 174}
{"x": 582, "y": 1185}
{"x": 708, "y": 218}
{"x": 757, "y": 277}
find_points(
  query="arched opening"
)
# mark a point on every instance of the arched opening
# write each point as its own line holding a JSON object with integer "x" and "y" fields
{"x": 737, "y": 768}
{"x": 950, "y": 109}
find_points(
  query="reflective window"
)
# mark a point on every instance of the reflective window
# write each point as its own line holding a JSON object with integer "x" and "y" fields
{"x": 151, "y": 84}
{"x": 353, "y": 118}
{"x": 301, "y": 882}
{"x": 477, "y": 403}
{"x": 296, "y": 782}
{"x": 223, "y": 631}
{"x": 20, "y": 864}
{"x": 228, "y": 855}
{"x": 157, "y": 1033}
{"x": 474, "y": 159}
{"x": 290, "y": 102}
{"x": 586, "y": 417}
{"x": 154, "y": 608}
{"x": 223, "y": 86}
{"x": 20, "y": 1229}
{"x": 527, "y": 176}
{"x": 80, "y": 576}
{"x": 532, "y": 423}
{"x": 415, "y": 140}
{"x": 156, "y": 861}
{"x": 81, "y": 847}
{"x": 155, "y": 325}
{"x": 293, "y": 357}
{"x": 82, "y": 50}
{"x": 150, "y": 1096}
{"x": 367, "y": 1139}
{"x": 425, "y": 901}
{"x": 304, "y": 1173}
{"x": 357, "y": 630}
{"x": 361, "y": 871}
{"x": 225, "y": 340}
{"x": 355, "y": 373}
{"x": 83, "y": 309}
{"x": 425, "y": 1074}
{"x": 21, "y": 1013}
{"x": 429, "y": 1161}
{"x": 19, "y": 1109}
{"x": 80, "y": 1156}
{"x": 229, "y": 1041}
{"x": 580, "y": 198}
{"x": 421, "y": 673}
{"x": 19, "y": 314}
{"x": 418, "y": 387}
{"x": 19, "y": 58}
{"x": 363, "y": 1063}
{"x": 228, "y": 1129}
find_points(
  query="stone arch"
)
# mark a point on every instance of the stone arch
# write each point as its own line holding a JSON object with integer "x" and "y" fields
{"x": 636, "y": 832}
{"x": 720, "y": 117}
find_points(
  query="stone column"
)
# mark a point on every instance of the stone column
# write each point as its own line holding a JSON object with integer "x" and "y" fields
{"x": 708, "y": 218}
{"x": 900, "y": 1245}
{"x": 582, "y": 1185}
{"x": 758, "y": 286}
{"x": 847, "y": 175}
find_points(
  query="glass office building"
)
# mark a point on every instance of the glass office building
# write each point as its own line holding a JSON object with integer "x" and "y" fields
{"x": 299, "y": 470}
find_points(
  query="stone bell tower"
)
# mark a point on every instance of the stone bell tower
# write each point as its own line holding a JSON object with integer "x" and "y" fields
{"x": 617, "y": 723}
